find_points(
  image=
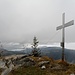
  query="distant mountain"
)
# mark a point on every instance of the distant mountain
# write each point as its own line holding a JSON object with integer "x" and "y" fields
{"x": 5, "y": 52}
{"x": 2, "y": 49}
{"x": 56, "y": 53}
{"x": 53, "y": 52}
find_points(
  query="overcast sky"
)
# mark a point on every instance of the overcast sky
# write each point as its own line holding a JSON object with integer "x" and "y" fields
{"x": 21, "y": 20}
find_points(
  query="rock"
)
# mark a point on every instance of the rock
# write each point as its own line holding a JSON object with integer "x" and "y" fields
{"x": 24, "y": 56}
{"x": 43, "y": 67}
{"x": 27, "y": 59}
{"x": 43, "y": 63}
{"x": 27, "y": 62}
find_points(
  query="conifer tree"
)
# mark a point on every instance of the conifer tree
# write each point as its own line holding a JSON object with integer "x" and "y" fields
{"x": 36, "y": 52}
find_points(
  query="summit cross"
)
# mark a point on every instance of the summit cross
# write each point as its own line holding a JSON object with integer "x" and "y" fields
{"x": 70, "y": 23}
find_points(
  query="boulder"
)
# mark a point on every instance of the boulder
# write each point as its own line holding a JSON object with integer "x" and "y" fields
{"x": 43, "y": 63}
{"x": 27, "y": 59}
{"x": 43, "y": 67}
{"x": 27, "y": 62}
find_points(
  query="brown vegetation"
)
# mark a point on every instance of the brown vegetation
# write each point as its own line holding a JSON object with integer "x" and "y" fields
{"x": 55, "y": 67}
{"x": 1, "y": 70}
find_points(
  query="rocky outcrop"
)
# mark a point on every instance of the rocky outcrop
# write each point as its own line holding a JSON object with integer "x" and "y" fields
{"x": 43, "y": 63}
{"x": 28, "y": 62}
{"x": 25, "y": 62}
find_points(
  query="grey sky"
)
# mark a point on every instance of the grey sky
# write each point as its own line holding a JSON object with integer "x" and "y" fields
{"x": 21, "y": 20}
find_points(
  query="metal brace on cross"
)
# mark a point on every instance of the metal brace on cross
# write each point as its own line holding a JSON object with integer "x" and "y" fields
{"x": 63, "y": 32}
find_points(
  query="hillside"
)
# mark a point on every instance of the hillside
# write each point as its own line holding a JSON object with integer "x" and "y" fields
{"x": 7, "y": 53}
{"x": 42, "y": 66}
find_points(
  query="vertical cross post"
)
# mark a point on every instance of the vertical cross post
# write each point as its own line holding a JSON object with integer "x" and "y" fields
{"x": 63, "y": 35}
{"x": 63, "y": 32}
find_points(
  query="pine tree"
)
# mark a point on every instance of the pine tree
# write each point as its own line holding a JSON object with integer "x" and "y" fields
{"x": 36, "y": 52}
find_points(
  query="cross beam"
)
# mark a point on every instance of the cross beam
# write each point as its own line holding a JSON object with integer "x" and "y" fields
{"x": 66, "y": 25}
{"x": 63, "y": 32}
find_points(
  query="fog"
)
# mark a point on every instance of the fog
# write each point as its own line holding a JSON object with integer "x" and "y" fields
{"x": 21, "y": 20}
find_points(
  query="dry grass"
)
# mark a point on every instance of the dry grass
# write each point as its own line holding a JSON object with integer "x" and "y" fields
{"x": 28, "y": 71}
{"x": 64, "y": 63}
{"x": 43, "y": 58}
{"x": 36, "y": 70}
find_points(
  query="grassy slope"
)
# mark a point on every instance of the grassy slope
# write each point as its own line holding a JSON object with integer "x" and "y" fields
{"x": 35, "y": 70}
{"x": 38, "y": 71}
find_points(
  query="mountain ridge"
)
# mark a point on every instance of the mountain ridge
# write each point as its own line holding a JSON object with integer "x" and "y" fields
{"x": 53, "y": 52}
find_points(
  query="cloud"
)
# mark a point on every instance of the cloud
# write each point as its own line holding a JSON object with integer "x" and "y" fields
{"x": 19, "y": 46}
{"x": 21, "y": 20}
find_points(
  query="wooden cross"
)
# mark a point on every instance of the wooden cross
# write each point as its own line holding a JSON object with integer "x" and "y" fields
{"x": 63, "y": 32}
